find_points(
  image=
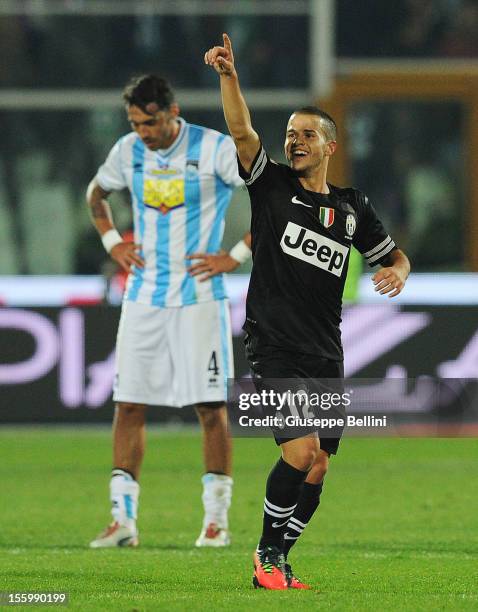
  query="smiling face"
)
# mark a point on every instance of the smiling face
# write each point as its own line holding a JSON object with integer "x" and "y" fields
{"x": 157, "y": 131}
{"x": 306, "y": 145}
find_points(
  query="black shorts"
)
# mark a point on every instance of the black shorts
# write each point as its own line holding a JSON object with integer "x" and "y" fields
{"x": 266, "y": 362}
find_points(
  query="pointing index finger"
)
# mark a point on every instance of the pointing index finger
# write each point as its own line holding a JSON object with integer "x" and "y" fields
{"x": 227, "y": 42}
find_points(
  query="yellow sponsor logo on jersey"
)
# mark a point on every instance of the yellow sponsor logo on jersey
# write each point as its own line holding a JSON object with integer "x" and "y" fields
{"x": 164, "y": 195}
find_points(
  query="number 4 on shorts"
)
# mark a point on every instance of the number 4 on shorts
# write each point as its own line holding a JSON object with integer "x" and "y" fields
{"x": 213, "y": 368}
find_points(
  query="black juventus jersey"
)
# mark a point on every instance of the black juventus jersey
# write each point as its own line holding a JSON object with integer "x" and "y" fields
{"x": 300, "y": 247}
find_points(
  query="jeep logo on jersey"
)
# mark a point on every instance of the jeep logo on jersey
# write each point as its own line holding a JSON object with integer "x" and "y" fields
{"x": 350, "y": 225}
{"x": 313, "y": 248}
{"x": 326, "y": 216}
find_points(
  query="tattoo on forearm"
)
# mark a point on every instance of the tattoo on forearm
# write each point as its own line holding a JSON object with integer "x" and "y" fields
{"x": 98, "y": 210}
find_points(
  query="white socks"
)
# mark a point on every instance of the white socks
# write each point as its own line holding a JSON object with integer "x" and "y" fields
{"x": 124, "y": 493}
{"x": 216, "y": 497}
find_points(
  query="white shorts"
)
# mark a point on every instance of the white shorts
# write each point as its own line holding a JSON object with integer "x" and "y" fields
{"x": 173, "y": 356}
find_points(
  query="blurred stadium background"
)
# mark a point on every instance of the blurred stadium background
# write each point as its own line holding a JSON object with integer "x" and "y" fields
{"x": 397, "y": 528}
{"x": 400, "y": 78}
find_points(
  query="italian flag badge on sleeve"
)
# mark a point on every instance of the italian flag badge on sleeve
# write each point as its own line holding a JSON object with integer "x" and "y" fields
{"x": 326, "y": 216}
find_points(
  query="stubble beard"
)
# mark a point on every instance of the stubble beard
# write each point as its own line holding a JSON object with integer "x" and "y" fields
{"x": 308, "y": 171}
{"x": 304, "y": 172}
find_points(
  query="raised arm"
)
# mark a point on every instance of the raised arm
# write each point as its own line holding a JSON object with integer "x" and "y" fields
{"x": 124, "y": 253}
{"x": 237, "y": 114}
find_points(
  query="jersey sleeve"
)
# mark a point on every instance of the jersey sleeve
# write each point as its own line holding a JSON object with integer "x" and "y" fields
{"x": 260, "y": 170}
{"x": 226, "y": 163}
{"x": 110, "y": 175}
{"x": 371, "y": 239}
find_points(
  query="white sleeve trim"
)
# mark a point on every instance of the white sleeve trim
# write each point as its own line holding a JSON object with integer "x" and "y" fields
{"x": 389, "y": 245}
{"x": 377, "y": 248}
{"x": 258, "y": 167}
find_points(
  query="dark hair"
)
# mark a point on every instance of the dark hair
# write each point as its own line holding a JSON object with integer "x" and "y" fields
{"x": 330, "y": 127}
{"x": 149, "y": 90}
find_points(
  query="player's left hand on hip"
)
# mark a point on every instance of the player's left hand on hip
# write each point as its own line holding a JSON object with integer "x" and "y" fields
{"x": 388, "y": 280}
{"x": 210, "y": 264}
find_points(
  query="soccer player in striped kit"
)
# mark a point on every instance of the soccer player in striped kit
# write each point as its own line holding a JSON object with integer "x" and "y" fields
{"x": 174, "y": 339}
{"x": 302, "y": 229}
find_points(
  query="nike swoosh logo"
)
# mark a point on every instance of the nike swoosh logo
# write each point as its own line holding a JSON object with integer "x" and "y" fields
{"x": 280, "y": 524}
{"x": 295, "y": 200}
{"x": 288, "y": 537}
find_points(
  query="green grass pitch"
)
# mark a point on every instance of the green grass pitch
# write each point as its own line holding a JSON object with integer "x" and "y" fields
{"x": 397, "y": 528}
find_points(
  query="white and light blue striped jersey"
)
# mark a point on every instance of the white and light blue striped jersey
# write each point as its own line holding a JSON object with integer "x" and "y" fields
{"x": 179, "y": 196}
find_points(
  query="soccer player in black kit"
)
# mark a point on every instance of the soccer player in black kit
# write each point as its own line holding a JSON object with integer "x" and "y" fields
{"x": 302, "y": 231}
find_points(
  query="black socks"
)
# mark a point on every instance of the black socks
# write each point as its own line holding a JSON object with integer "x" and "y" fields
{"x": 308, "y": 503}
{"x": 282, "y": 494}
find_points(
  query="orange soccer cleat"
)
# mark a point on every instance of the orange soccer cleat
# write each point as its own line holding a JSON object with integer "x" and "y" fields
{"x": 269, "y": 569}
{"x": 292, "y": 581}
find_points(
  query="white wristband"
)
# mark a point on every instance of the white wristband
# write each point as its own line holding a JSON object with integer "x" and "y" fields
{"x": 110, "y": 239}
{"x": 240, "y": 252}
